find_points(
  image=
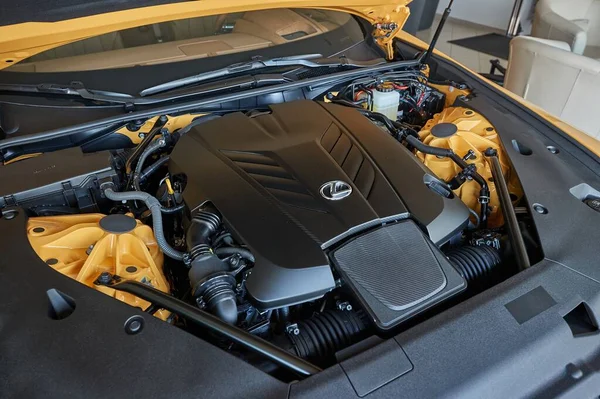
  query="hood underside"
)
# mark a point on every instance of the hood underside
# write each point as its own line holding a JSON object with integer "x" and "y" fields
{"x": 31, "y": 27}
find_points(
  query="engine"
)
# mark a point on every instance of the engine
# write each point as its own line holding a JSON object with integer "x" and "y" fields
{"x": 310, "y": 224}
{"x": 293, "y": 188}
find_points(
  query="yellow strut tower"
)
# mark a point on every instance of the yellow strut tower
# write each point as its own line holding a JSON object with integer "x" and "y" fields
{"x": 475, "y": 133}
{"x": 85, "y": 246}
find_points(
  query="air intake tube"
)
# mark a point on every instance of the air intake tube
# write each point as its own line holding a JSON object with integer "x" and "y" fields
{"x": 212, "y": 285}
{"x": 475, "y": 264}
{"x": 321, "y": 336}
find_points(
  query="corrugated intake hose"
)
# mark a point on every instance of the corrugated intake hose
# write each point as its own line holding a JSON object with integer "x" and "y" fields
{"x": 155, "y": 207}
{"x": 321, "y": 336}
{"x": 211, "y": 283}
{"x": 474, "y": 263}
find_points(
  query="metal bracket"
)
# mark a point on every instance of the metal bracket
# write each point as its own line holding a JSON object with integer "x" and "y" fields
{"x": 292, "y": 329}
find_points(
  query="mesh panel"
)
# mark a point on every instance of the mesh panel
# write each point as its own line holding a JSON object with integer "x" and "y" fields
{"x": 394, "y": 264}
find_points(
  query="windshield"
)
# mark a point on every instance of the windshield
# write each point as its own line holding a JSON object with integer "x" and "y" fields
{"x": 185, "y": 39}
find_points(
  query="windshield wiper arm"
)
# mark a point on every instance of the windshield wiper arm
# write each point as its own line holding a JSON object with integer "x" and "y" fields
{"x": 75, "y": 89}
{"x": 306, "y": 60}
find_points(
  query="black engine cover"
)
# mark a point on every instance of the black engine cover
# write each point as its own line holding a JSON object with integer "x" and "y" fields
{"x": 268, "y": 173}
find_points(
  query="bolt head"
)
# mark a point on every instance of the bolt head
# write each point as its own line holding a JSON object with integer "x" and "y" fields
{"x": 142, "y": 135}
{"x": 105, "y": 278}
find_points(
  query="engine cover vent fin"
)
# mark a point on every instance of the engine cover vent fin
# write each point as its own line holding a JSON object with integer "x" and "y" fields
{"x": 397, "y": 272}
{"x": 350, "y": 158}
{"x": 275, "y": 179}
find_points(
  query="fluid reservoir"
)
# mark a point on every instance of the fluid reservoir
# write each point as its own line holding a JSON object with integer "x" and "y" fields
{"x": 386, "y": 101}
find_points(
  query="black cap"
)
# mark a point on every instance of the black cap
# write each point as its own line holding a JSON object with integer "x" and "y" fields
{"x": 117, "y": 224}
{"x": 443, "y": 130}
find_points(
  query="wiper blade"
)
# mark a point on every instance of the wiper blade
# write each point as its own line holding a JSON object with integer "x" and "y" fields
{"x": 78, "y": 90}
{"x": 75, "y": 89}
{"x": 306, "y": 60}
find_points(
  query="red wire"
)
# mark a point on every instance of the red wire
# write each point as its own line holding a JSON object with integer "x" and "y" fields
{"x": 421, "y": 99}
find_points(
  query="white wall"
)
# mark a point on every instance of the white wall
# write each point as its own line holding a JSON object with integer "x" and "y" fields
{"x": 494, "y": 13}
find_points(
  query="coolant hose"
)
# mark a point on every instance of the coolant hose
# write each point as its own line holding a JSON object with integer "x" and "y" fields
{"x": 155, "y": 207}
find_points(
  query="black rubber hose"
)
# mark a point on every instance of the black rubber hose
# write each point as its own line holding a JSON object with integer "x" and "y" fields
{"x": 474, "y": 263}
{"x": 174, "y": 209}
{"x": 160, "y": 122}
{"x": 321, "y": 336}
{"x": 484, "y": 193}
{"x": 228, "y": 251}
{"x": 283, "y": 314}
{"x": 204, "y": 225}
{"x": 427, "y": 149}
{"x": 154, "y": 167}
{"x": 155, "y": 207}
{"x": 155, "y": 146}
{"x": 208, "y": 274}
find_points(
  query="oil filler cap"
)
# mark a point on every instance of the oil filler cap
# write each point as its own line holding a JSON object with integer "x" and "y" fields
{"x": 443, "y": 130}
{"x": 117, "y": 224}
{"x": 593, "y": 203}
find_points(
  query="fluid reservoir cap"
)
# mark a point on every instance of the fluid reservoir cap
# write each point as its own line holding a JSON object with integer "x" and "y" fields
{"x": 385, "y": 88}
{"x": 117, "y": 224}
{"x": 443, "y": 130}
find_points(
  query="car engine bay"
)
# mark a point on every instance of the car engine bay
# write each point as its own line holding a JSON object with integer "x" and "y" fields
{"x": 310, "y": 225}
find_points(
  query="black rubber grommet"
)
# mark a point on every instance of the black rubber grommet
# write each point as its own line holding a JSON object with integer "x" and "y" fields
{"x": 134, "y": 325}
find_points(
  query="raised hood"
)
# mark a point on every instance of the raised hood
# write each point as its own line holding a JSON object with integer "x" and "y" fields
{"x": 28, "y": 27}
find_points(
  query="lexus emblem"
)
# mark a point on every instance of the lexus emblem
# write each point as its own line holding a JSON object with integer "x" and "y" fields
{"x": 335, "y": 190}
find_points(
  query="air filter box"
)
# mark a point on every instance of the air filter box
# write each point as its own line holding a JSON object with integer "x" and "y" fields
{"x": 396, "y": 272}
